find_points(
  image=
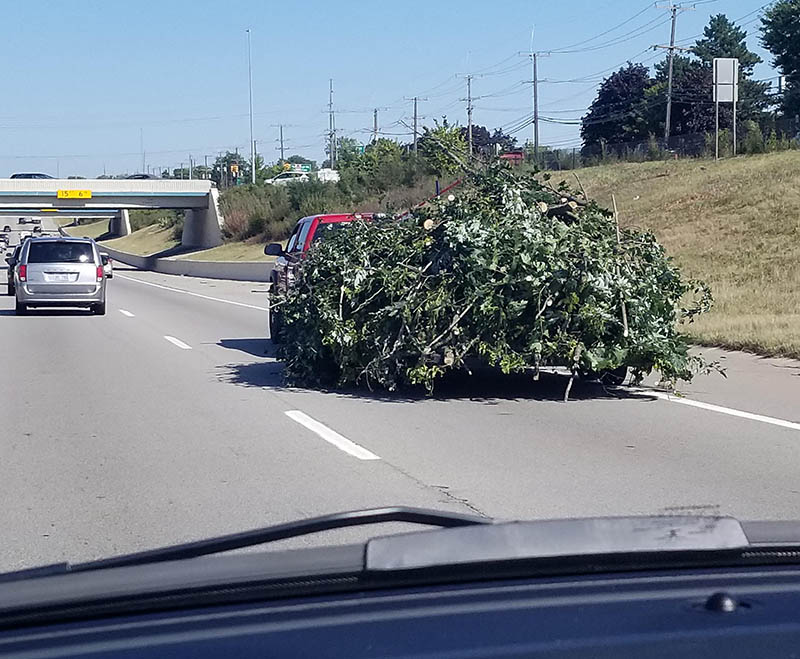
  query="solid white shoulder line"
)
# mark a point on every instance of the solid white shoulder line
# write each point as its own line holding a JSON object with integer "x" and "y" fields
{"x": 200, "y": 295}
{"x": 725, "y": 410}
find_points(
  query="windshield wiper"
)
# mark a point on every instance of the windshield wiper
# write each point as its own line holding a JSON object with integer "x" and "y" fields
{"x": 261, "y": 536}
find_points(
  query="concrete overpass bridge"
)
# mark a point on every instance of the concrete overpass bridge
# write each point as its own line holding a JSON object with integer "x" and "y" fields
{"x": 114, "y": 198}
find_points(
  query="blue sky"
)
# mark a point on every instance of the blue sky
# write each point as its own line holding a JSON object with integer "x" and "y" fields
{"x": 84, "y": 79}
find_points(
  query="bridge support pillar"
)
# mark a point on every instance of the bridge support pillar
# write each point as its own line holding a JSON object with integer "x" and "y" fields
{"x": 202, "y": 227}
{"x": 120, "y": 225}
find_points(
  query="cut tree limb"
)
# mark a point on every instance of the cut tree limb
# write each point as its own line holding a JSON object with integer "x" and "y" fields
{"x": 621, "y": 295}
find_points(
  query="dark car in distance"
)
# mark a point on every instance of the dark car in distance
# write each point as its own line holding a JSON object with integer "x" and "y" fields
{"x": 11, "y": 260}
{"x": 30, "y": 175}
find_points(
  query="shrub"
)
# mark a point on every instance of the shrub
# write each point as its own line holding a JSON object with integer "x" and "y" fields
{"x": 252, "y": 210}
{"x": 143, "y": 218}
{"x": 753, "y": 141}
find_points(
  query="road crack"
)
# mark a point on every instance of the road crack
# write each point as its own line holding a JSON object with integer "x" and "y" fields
{"x": 441, "y": 489}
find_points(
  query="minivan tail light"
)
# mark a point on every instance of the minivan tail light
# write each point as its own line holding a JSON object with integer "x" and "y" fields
{"x": 100, "y": 273}
{"x": 23, "y": 273}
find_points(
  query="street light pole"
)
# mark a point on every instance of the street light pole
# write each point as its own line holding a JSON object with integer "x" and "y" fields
{"x": 250, "y": 86}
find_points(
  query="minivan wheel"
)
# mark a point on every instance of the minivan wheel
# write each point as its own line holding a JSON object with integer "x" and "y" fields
{"x": 99, "y": 309}
{"x": 10, "y": 290}
{"x": 21, "y": 309}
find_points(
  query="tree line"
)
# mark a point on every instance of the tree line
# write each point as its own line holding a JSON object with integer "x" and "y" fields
{"x": 630, "y": 106}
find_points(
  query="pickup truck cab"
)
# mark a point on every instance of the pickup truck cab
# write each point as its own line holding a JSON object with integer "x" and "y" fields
{"x": 307, "y": 231}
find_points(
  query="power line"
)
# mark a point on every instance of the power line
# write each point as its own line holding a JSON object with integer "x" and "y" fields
{"x": 638, "y": 32}
{"x": 616, "y": 27}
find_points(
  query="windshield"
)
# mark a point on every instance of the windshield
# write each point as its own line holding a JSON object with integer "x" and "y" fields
{"x": 581, "y": 299}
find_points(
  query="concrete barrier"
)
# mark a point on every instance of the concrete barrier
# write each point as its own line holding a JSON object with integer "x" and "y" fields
{"x": 235, "y": 270}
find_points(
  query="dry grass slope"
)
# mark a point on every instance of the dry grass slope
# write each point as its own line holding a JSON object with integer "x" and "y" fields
{"x": 92, "y": 230}
{"x": 735, "y": 224}
{"x": 148, "y": 240}
{"x": 233, "y": 251}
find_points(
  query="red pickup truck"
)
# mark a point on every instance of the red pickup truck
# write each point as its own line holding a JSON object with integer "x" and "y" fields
{"x": 308, "y": 230}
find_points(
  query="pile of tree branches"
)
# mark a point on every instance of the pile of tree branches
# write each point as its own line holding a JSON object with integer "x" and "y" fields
{"x": 511, "y": 271}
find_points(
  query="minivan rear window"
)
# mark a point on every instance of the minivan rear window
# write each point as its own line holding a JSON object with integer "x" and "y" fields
{"x": 60, "y": 252}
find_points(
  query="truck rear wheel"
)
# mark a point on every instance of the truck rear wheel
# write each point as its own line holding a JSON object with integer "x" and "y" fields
{"x": 274, "y": 326}
{"x": 613, "y": 377}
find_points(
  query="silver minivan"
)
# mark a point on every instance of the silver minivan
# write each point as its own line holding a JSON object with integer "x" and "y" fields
{"x": 60, "y": 272}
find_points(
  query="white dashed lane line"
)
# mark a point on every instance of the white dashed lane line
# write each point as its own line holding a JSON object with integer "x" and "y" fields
{"x": 331, "y": 436}
{"x": 178, "y": 342}
{"x": 200, "y": 295}
{"x": 127, "y": 313}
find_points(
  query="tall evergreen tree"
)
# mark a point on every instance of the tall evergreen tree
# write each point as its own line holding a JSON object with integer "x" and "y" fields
{"x": 619, "y": 113}
{"x": 780, "y": 34}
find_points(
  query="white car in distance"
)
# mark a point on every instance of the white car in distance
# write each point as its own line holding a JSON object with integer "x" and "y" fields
{"x": 284, "y": 178}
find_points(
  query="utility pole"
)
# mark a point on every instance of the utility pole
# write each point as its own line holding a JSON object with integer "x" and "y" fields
{"x": 255, "y": 154}
{"x": 415, "y": 124}
{"x": 250, "y": 86}
{"x": 673, "y": 9}
{"x": 375, "y": 125}
{"x": 280, "y": 140}
{"x": 141, "y": 148}
{"x": 535, "y": 95}
{"x": 331, "y": 128}
{"x": 534, "y": 64}
{"x": 190, "y": 167}
{"x": 417, "y": 116}
{"x": 469, "y": 113}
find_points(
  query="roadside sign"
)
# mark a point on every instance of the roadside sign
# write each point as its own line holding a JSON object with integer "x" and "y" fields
{"x": 287, "y": 167}
{"x": 726, "y": 80}
{"x": 301, "y": 168}
{"x": 74, "y": 194}
{"x": 234, "y": 168}
{"x": 726, "y": 90}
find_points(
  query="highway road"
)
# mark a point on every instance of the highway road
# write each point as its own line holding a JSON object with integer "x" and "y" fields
{"x": 19, "y": 229}
{"x": 166, "y": 420}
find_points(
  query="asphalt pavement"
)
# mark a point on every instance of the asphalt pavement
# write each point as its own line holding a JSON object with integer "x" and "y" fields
{"x": 166, "y": 420}
{"x": 21, "y": 226}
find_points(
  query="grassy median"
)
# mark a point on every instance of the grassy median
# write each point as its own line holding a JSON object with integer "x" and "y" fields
{"x": 230, "y": 252}
{"x": 735, "y": 224}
